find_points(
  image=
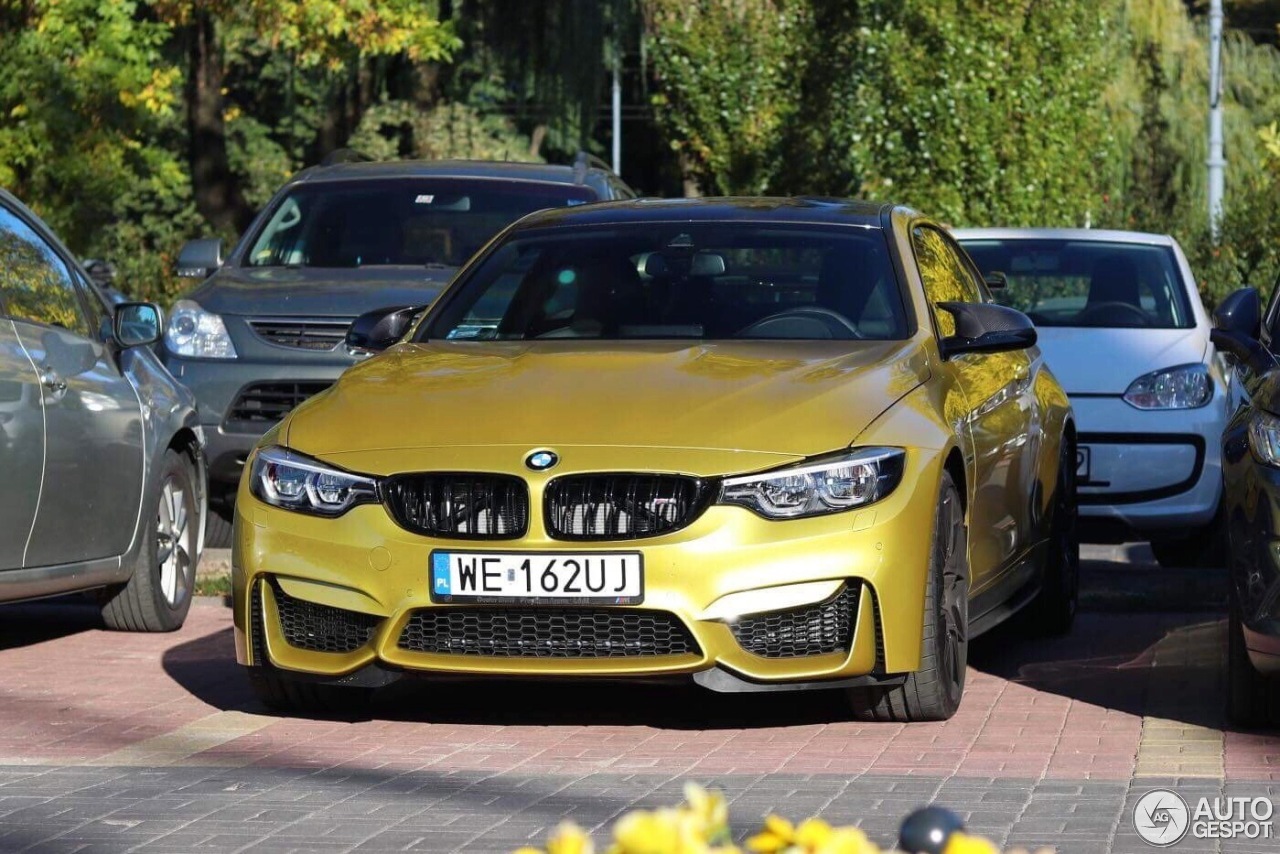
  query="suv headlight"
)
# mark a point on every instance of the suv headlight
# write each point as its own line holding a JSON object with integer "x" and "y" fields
{"x": 289, "y": 480}
{"x": 197, "y": 333}
{"x": 1264, "y": 438}
{"x": 827, "y": 485}
{"x": 1183, "y": 387}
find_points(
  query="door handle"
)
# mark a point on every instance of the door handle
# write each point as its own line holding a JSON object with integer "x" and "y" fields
{"x": 49, "y": 379}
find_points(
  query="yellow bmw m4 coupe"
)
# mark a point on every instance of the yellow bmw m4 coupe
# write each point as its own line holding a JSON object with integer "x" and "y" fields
{"x": 759, "y": 444}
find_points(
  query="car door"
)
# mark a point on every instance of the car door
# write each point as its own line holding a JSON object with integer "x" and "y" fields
{"x": 21, "y": 431}
{"x": 1001, "y": 417}
{"x": 93, "y": 459}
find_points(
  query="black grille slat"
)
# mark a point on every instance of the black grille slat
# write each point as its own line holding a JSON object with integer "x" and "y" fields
{"x": 547, "y": 633}
{"x": 812, "y": 630}
{"x": 257, "y": 643}
{"x": 621, "y": 506}
{"x": 303, "y": 333}
{"x": 468, "y": 506}
{"x": 267, "y": 403}
{"x": 321, "y": 628}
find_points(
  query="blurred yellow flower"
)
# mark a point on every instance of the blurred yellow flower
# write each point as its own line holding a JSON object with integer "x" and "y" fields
{"x": 963, "y": 843}
{"x": 812, "y": 836}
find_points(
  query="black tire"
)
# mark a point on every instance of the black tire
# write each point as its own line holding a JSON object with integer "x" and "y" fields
{"x": 217, "y": 530}
{"x": 1053, "y": 610}
{"x": 1206, "y": 547}
{"x": 158, "y": 595}
{"x": 1253, "y": 699}
{"x": 280, "y": 693}
{"x": 933, "y": 692}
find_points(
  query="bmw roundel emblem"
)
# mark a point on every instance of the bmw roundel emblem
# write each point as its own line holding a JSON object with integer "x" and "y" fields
{"x": 541, "y": 460}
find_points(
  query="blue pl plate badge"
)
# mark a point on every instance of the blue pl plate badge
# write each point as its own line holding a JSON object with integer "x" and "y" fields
{"x": 440, "y": 574}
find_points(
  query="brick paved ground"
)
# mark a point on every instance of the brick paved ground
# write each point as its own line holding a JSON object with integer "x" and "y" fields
{"x": 116, "y": 742}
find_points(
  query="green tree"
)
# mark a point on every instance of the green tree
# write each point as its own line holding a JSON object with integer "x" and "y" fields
{"x": 728, "y": 85}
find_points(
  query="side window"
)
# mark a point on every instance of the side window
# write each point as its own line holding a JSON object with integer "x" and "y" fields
{"x": 1271, "y": 320}
{"x": 945, "y": 275}
{"x": 35, "y": 283}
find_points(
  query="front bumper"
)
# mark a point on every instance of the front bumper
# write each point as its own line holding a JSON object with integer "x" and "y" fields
{"x": 708, "y": 579}
{"x": 1149, "y": 471}
{"x": 217, "y": 384}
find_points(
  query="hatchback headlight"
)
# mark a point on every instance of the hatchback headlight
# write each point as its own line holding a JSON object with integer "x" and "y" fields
{"x": 197, "y": 333}
{"x": 1183, "y": 387}
{"x": 289, "y": 480}
{"x": 1264, "y": 438}
{"x": 827, "y": 485}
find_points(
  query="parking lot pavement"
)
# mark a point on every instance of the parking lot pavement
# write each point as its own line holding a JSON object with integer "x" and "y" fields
{"x": 115, "y": 742}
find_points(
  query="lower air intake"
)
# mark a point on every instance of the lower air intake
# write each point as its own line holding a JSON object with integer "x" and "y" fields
{"x": 547, "y": 633}
{"x": 320, "y": 628}
{"x": 811, "y": 630}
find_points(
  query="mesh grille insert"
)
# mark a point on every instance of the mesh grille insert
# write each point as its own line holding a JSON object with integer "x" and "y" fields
{"x": 812, "y": 630}
{"x": 621, "y": 506}
{"x": 471, "y": 506}
{"x": 547, "y": 633}
{"x": 266, "y": 403}
{"x": 320, "y": 628}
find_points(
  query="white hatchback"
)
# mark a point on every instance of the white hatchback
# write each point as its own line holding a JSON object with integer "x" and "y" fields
{"x": 1122, "y": 327}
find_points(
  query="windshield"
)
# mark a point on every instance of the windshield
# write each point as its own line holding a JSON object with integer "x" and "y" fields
{"x": 681, "y": 280}
{"x": 401, "y": 221}
{"x": 1087, "y": 283}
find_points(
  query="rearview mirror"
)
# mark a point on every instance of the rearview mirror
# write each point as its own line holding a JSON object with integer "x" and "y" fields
{"x": 199, "y": 258}
{"x": 137, "y": 324}
{"x": 996, "y": 281}
{"x": 1237, "y": 325}
{"x": 986, "y": 328}
{"x": 375, "y": 331}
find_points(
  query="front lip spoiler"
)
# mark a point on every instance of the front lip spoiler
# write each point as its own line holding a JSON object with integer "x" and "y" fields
{"x": 718, "y": 679}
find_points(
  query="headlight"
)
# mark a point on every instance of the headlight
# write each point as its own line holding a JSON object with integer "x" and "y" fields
{"x": 197, "y": 333}
{"x": 828, "y": 485}
{"x": 283, "y": 478}
{"x": 1183, "y": 387}
{"x": 1264, "y": 438}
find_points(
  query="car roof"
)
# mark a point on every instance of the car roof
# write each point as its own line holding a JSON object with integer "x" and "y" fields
{"x": 499, "y": 169}
{"x": 1097, "y": 235}
{"x": 725, "y": 209}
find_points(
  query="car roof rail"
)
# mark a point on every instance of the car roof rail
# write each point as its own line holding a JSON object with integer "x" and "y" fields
{"x": 584, "y": 161}
{"x": 345, "y": 155}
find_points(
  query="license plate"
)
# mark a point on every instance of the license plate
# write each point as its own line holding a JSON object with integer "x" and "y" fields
{"x": 613, "y": 578}
{"x": 1083, "y": 460}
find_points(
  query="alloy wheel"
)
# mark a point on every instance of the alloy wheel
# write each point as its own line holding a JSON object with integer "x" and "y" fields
{"x": 173, "y": 555}
{"x": 955, "y": 592}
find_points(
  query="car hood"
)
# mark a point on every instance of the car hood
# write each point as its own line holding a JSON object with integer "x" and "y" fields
{"x": 1106, "y": 361}
{"x": 797, "y": 398}
{"x": 340, "y": 292}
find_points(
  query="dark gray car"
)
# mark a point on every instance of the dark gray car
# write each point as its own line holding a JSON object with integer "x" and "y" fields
{"x": 265, "y": 330}
{"x": 100, "y": 449}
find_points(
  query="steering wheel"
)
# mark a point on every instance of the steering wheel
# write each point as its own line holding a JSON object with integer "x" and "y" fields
{"x": 1101, "y": 309}
{"x": 831, "y": 325}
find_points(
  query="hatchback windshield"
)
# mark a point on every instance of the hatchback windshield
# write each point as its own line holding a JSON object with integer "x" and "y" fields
{"x": 663, "y": 280}
{"x": 402, "y": 221}
{"x": 1087, "y": 283}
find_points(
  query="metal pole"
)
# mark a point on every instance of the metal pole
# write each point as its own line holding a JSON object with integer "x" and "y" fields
{"x": 1217, "y": 163}
{"x": 617, "y": 111}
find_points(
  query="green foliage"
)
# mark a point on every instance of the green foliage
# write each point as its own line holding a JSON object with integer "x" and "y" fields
{"x": 729, "y": 77}
{"x": 396, "y": 129}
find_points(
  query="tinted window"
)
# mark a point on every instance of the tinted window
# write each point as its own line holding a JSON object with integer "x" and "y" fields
{"x": 404, "y": 221}
{"x": 1088, "y": 283}
{"x": 945, "y": 275}
{"x": 661, "y": 280}
{"x": 34, "y": 281}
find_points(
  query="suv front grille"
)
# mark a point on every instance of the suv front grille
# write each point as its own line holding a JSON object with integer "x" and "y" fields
{"x": 547, "y": 633}
{"x": 811, "y": 630}
{"x": 263, "y": 404}
{"x": 621, "y": 506}
{"x": 316, "y": 333}
{"x": 467, "y": 506}
{"x": 321, "y": 628}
